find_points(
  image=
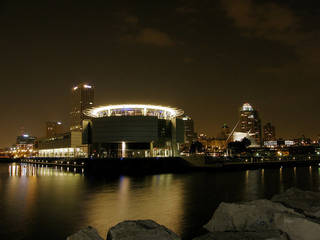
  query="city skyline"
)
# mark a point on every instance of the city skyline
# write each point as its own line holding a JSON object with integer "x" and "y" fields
{"x": 206, "y": 58}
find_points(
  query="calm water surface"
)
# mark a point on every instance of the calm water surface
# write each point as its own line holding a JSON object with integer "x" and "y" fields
{"x": 51, "y": 203}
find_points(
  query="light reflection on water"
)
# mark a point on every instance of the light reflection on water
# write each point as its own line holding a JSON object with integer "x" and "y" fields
{"x": 63, "y": 200}
{"x": 41, "y": 170}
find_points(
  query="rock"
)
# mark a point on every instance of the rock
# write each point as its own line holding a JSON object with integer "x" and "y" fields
{"x": 263, "y": 235}
{"x": 253, "y": 216}
{"x": 297, "y": 228}
{"x": 306, "y": 202}
{"x": 88, "y": 233}
{"x": 140, "y": 229}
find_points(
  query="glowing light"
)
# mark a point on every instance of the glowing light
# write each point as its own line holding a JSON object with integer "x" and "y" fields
{"x": 59, "y": 123}
{"x": 167, "y": 112}
{"x": 123, "y": 149}
{"x": 25, "y": 135}
{"x": 87, "y": 86}
{"x": 247, "y": 107}
{"x": 75, "y": 88}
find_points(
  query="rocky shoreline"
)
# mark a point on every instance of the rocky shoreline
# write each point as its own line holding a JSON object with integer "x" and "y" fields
{"x": 292, "y": 215}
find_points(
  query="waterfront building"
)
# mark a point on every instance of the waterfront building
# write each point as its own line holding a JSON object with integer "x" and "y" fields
{"x": 269, "y": 132}
{"x": 250, "y": 124}
{"x": 190, "y": 135}
{"x": 53, "y": 129}
{"x": 134, "y": 130}
{"x": 66, "y": 145}
{"x": 82, "y": 99}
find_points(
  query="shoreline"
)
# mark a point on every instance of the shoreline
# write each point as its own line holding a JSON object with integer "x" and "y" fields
{"x": 290, "y": 215}
{"x": 161, "y": 165}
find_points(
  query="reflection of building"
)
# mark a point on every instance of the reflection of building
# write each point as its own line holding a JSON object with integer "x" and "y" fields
{"x": 134, "y": 130}
{"x": 82, "y": 98}
{"x": 62, "y": 145}
{"x": 269, "y": 132}
{"x": 189, "y": 133}
{"x": 250, "y": 123}
{"x": 53, "y": 129}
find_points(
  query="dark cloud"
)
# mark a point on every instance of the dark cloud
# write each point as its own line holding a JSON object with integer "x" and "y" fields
{"x": 274, "y": 22}
{"x": 154, "y": 37}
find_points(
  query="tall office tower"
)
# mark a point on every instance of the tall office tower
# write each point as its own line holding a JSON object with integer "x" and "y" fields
{"x": 225, "y": 132}
{"x": 53, "y": 129}
{"x": 82, "y": 99}
{"x": 250, "y": 123}
{"x": 189, "y": 133}
{"x": 269, "y": 132}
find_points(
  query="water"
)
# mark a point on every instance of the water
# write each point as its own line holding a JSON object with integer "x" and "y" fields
{"x": 51, "y": 203}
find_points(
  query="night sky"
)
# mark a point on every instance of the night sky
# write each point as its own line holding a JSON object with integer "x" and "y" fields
{"x": 206, "y": 57}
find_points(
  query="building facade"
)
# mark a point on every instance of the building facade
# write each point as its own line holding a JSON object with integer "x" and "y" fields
{"x": 269, "y": 132}
{"x": 53, "y": 129}
{"x": 66, "y": 145}
{"x": 250, "y": 124}
{"x": 190, "y": 134}
{"x": 82, "y": 99}
{"x": 133, "y": 130}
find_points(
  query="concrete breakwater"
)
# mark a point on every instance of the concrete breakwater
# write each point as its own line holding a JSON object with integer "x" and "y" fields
{"x": 292, "y": 215}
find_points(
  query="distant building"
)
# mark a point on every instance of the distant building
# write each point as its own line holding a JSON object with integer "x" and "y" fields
{"x": 67, "y": 144}
{"x": 189, "y": 132}
{"x": 53, "y": 129}
{"x": 224, "y": 133}
{"x": 269, "y": 132}
{"x": 250, "y": 124}
{"x": 25, "y": 139}
{"x": 24, "y": 146}
{"x": 82, "y": 99}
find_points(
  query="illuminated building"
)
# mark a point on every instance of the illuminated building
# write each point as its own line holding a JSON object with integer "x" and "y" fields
{"x": 269, "y": 132}
{"x": 53, "y": 129}
{"x": 82, "y": 98}
{"x": 250, "y": 124}
{"x": 189, "y": 133}
{"x": 62, "y": 145}
{"x": 24, "y": 146}
{"x": 133, "y": 130}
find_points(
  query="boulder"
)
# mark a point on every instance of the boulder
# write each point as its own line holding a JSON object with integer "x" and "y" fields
{"x": 263, "y": 235}
{"x": 88, "y": 233}
{"x": 297, "y": 228}
{"x": 305, "y": 202}
{"x": 140, "y": 229}
{"x": 253, "y": 216}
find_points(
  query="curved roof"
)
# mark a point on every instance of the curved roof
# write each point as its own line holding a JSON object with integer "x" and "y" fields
{"x": 134, "y": 110}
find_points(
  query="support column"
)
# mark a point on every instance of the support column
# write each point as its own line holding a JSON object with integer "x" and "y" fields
{"x": 151, "y": 149}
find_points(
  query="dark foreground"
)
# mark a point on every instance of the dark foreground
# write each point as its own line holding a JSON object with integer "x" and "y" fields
{"x": 53, "y": 202}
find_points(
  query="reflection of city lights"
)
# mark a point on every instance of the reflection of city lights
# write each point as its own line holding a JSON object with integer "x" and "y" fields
{"x": 30, "y": 170}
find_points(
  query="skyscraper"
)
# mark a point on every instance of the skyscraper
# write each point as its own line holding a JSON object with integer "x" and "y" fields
{"x": 250, "y": 123}
{"x": 82, "y": 98}
{"x": 225, "y": 132}
{"x": 190, "y": 135}
{"x": 269, "y": 132}
{"x": 53, "y": 128}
